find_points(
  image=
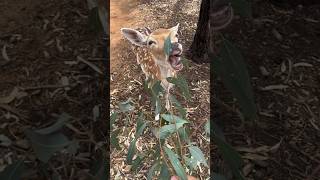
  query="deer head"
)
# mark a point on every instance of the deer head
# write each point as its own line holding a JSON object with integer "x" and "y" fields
{"x": 154, "y": 42}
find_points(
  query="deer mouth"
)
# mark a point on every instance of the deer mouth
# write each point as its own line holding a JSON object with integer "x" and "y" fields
{"x": 175, "y": 60}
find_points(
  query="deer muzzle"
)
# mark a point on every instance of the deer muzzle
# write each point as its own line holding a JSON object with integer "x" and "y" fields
{"x": 175, "y": 56}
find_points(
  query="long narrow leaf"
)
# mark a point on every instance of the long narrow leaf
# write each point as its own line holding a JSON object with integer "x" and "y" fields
{"x": 231, "y": 68}
{"x": 141, "y": 125}
{"x": 114, "y": 139}
{"x": 13, "y": 171}
{"x": 182, "y": 84}
{"x": 231, "y": 156}
{"x": 177, "y": 166}
{"x": 136, "y": 164}
{"x": 46, "y": 145}
{"x": 164, "y": 173}
{"x": 152, "y": 170}
{"x": 167, "y": 130}
{"x": 173, "y": 119}
{"x": 182, "y": 111}
{"x": 197, "y": 154}
{"x": 167, "y": 46}
{"x": 131, "y": 151}
{"x": 63, "y": 118}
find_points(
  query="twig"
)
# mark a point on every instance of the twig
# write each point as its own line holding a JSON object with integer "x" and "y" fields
{"x": 177, "y": 133}
{"x": 12, "y": 110}
{"x": 55, "y": 86}
{"x": 314, "y": 172}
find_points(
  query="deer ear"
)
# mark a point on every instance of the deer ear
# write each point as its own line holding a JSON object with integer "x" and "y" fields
{"x": 134, "y": 36}
{"x": 175, "y": 28}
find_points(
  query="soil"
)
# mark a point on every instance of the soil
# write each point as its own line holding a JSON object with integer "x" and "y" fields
{"x": 127, "y": 80}
{"x": 41, "y": 77}
{"x": 281, "y": 48}
{"x": 41, "y": 40}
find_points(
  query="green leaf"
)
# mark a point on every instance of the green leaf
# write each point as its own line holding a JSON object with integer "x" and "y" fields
{"x": 157, "y": 88}
{"x": 207, "y": 127}
{"x": 173, "y": 119}
{"x": 94, "y": 20}
{"x": 182, "y": 111}
{"x": 197, "y": 154}
{"x": 191, "y": 162}
{"x": 231, "y": 68}
{"x": 242, "y": 7}
{"x": 152, "y": 170}
{"x": 141, "y": 125}
{"x": 63, "y": 118}
{"x": 131, "y": 151}
{"x": 103, "y": 16}
{"x": 113, "y": 118}
{"x": 185, "y": 62}
{"x": 182, "y": 84}
{"x": 167, "y": 130}
{"x": 230, "y": 156}
{"x": 157, "y": 110}
{"x": 184, "y": 135}
{"x": 115, "y": 140}
{"x": 46, "y": 145}
{"x": 126, "y": 106}
{"x": 13, "y": 171}
{"x": 176, "y": 163}
{"x": 99, "y": 168}
{"x": 164, "y": 173}
{"x": 218, "y": 177}
{"x": 217, "y": 131}
{"x": 73, "y": 147}
{"x": 5, "y": 141}
{"x": 136, "y": 164}
{"x": 157, "y": 153}
{"x": 167, "y": 45}
{"x": 92, "y": 4}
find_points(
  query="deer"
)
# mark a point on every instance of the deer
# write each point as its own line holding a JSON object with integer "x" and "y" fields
{"x": 149, "y": 48}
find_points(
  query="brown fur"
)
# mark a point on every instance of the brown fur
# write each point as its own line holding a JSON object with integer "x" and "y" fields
{"x": 151, "y": 57}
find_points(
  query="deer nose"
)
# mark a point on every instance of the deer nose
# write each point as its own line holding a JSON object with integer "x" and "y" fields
{"x": 177, "y": 47}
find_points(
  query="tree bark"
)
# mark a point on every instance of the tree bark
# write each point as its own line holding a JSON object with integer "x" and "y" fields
{"x": 199, "y": 45}
{"x": 210, "y": 10}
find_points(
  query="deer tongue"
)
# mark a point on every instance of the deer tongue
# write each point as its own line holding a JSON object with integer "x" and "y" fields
{"x": 175, "y": 62}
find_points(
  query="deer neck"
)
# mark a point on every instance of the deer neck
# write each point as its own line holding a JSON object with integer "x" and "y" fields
{"x": 151, "y": 66}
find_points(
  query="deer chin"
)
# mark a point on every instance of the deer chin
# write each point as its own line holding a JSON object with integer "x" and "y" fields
{"x": 175, "y": 60}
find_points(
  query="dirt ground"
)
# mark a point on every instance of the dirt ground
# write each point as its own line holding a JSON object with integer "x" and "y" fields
{"x": 127, "y": 76}
{"x": 41, "y": 77}
{"x": 281, "y": 48}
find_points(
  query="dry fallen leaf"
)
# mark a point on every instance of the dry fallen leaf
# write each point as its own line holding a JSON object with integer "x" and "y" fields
{"x": 4, "y": 53}
{"x": 247, "y": 169}
{"x": 93, "y": 66}
{"x": 252, "y": 156}
{"x": 15, "y": 93}
{"x": 302, "y": 64}
{"x": 274, "y": 87}
{"x": 5, "y": 141}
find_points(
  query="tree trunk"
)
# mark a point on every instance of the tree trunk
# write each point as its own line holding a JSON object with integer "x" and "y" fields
{"x": 218, "y": 13}
{"x": 198, "y": 49}
{"x": 294, "y": 3}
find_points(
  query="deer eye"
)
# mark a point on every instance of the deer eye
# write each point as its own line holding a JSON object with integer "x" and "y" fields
{"x": 151, "y": 42}
{"x": 177, "y": 35}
